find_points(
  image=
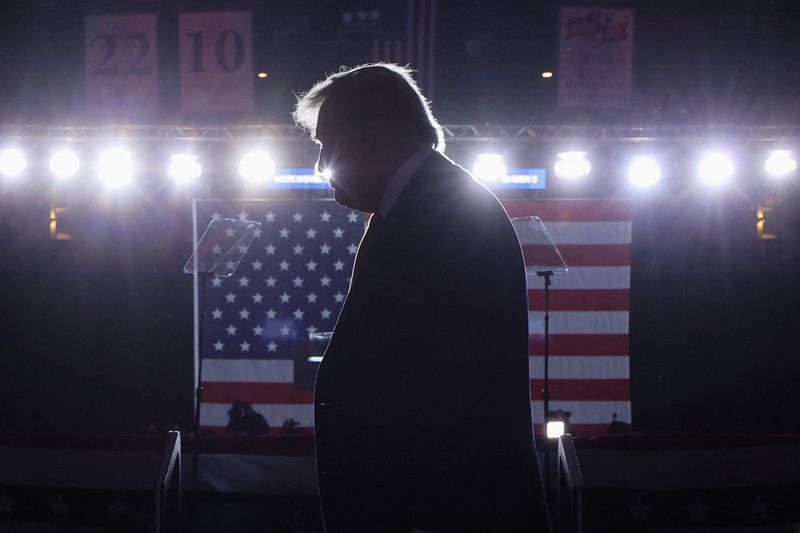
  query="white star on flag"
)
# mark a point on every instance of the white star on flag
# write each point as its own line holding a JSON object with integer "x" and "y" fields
{"x": 216, "y": 216}
{"x": 242, "y": 249}
{"x": 272, "y": 347}
{"x": 298, "y": 314}
{"x": 325, "y": 216}
{"x": 244, "y": 346}
{"x": 243, "y": 281}
{"x": 218, "y": 346}
{"x": 311, "y": 265}
{"x": 270, "y": 249}
{"x": 339, "y": 297}
{"x": 298, "y": 249}
{"x": 230, "y": 298}
{"x": 257, "y": 330}
{"x": 216, "y": 281}
{"x": 271, "y": 281}
{"x": 285, "y": 298}
{"x": 216, "y": 313}
{"x": 297, "y": 217}
{"x": 352, "y": 217}
{"x": 312, "y": 297}
{"x": 325, "y": 249}
{"x": 284, "y": 233}
{"x": 230, "y": 232}
{"x": 229, "y": 265}
{"x": 284, "y": 264}
{"x": 257, "y": 297}
{"x": 231, "y": 329}
{"x": 311, "y": 329}
{"x": 242, "y": 216}
{"x": 311, "y": 233}
{"x": 338, "y": 265}
{"x": 256, "y": 264}
{"x": 244, "y": 314}
{"x": 285, "y": 330}
{"x": 352, "y": 249}
{"x": 338, "y": 233}
{"x": 270, "y": 216}
{"x": 297, "y": 281}
{"x": 326, "y": 313}
{"x": 325, "y": 281}
{"x": 216, "y": 249}
{"x": 271, "y": 313}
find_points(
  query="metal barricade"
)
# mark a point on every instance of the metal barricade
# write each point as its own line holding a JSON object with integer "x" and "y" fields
{"x": 168, "y": 487}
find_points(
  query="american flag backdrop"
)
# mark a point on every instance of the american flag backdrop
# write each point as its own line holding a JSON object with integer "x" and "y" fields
{"x": 295, "y": 275}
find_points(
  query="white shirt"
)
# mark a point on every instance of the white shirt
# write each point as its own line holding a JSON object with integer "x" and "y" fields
{"x": 401, "y": 179}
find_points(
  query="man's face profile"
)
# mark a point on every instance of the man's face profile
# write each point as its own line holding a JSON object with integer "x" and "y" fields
{"x": 355, "y": 161}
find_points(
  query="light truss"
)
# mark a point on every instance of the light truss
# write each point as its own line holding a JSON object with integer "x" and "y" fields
{"x": 454, "y": 133}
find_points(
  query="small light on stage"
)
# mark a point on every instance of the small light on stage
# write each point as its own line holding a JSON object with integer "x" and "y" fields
{"x": 262, "y": 75}
{"x": 572, "y": 165}
{"x": 547, "y": 74}
{"x": 64, "y": 164}
{"x": 314, "y": 358}
{"x": 716, "y": 168}
{"x": 12, "y": 162}
{"x": 184, "y": 168}
{"x": 115, "y": 167}
{"x": 489, "y": 168}
{"x": 644, "y": 171}
{"x": 257, "y": 166}
{"x": 555, "y": 428}
{"x": 780, "y": 163}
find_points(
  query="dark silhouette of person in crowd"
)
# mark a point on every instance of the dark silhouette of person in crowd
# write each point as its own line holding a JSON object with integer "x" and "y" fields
{"x": 422, "y": 400}
{"x": 243, "y": 420}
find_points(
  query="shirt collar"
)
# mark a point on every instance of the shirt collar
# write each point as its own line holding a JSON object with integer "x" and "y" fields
{"x": 401, "y": 178}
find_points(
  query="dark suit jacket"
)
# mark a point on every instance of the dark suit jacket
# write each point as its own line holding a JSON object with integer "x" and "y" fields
{"x": 422, "y": 401}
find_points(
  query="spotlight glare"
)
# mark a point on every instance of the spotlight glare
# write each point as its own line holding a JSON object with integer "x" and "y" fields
{"x": 115, "y": 167}
{"x": 489, "y": 168}
{"x": 257, "y": 166}
{"x": 325, "y": 173}
{"x": 780, "y": 163}
{"x": 555, "y": 428}
{"x": 716, "y": 168}
{"x": 12, "y": 162}
{"x": 64, "y": 164}
{"x": 184, "y": 168}
{"x": 572, "y": 165}
{"x": 644, "y": 171}
{"x": 547, "y": 74}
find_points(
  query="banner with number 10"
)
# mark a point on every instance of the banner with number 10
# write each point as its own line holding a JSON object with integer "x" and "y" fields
{"x": 216, "y": 57}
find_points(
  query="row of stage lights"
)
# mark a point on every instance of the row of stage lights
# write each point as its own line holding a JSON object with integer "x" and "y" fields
{"x": 714, "y": 168}
{"x": 116, "y": 167}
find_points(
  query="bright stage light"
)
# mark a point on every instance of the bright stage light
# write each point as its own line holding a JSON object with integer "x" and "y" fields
{"x": 257, "y": 166}
{"x": 555, "y": 428}
{"x": 572, "y": 165}
{"x": 325, "y": 173}
{"x": 64, "y": 164}
{"x": 12, "y": 162}
{"x": 716, "y": 168}
{"x": 644, "y": 171}
{"x": 115, "y": 167}
{"x": 780, "y": 163}
{"x": 547, "y": 74}
{"x": 489, "y": 168}
{"x": 184, "y": 168}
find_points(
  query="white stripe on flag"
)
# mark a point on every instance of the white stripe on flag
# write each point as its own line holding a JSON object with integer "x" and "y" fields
{"x": 248, "y": 370}
{"x": 581, "y": 367}
{"x": 603, "y": 277}
{"x": 586, "y": 412}
{"x": 216, "y": 414}
{"x": 582, "y": 233}
{"x": 579, "y": 322}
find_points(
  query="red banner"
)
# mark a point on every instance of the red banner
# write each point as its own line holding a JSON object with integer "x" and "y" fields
{"x": 216, "y": 58}
{"x": 596, "y": 57}
{"x": 121, "y": 64}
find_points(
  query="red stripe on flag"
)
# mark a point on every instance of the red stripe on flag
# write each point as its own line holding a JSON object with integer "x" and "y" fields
{"x": 282, "y": 393}
{"x": 572, "y": 210}
{"x": 579, "y": 255}
{"x": 581, "y": 300}
{"x": 583, "y": 389}
{"x": 581, "y": 345}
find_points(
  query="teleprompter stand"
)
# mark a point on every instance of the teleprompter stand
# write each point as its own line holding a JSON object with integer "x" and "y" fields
{"x": 216, "y": 254}
{"x": 542, "y": 259}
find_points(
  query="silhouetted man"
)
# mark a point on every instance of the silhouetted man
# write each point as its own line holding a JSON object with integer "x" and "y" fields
{"x": 422, "y": 400}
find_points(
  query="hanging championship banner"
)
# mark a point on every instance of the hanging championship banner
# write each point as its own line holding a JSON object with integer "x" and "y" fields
{"x": 121, "y": 64}
{"x": 216, "y": 57}
{"x": 595, "y": 57}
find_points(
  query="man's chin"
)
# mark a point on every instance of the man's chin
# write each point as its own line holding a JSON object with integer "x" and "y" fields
{"x": 346, "y": 200}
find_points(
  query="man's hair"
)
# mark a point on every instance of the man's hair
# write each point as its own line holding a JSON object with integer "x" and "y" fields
{"x": 377, "y": 94}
